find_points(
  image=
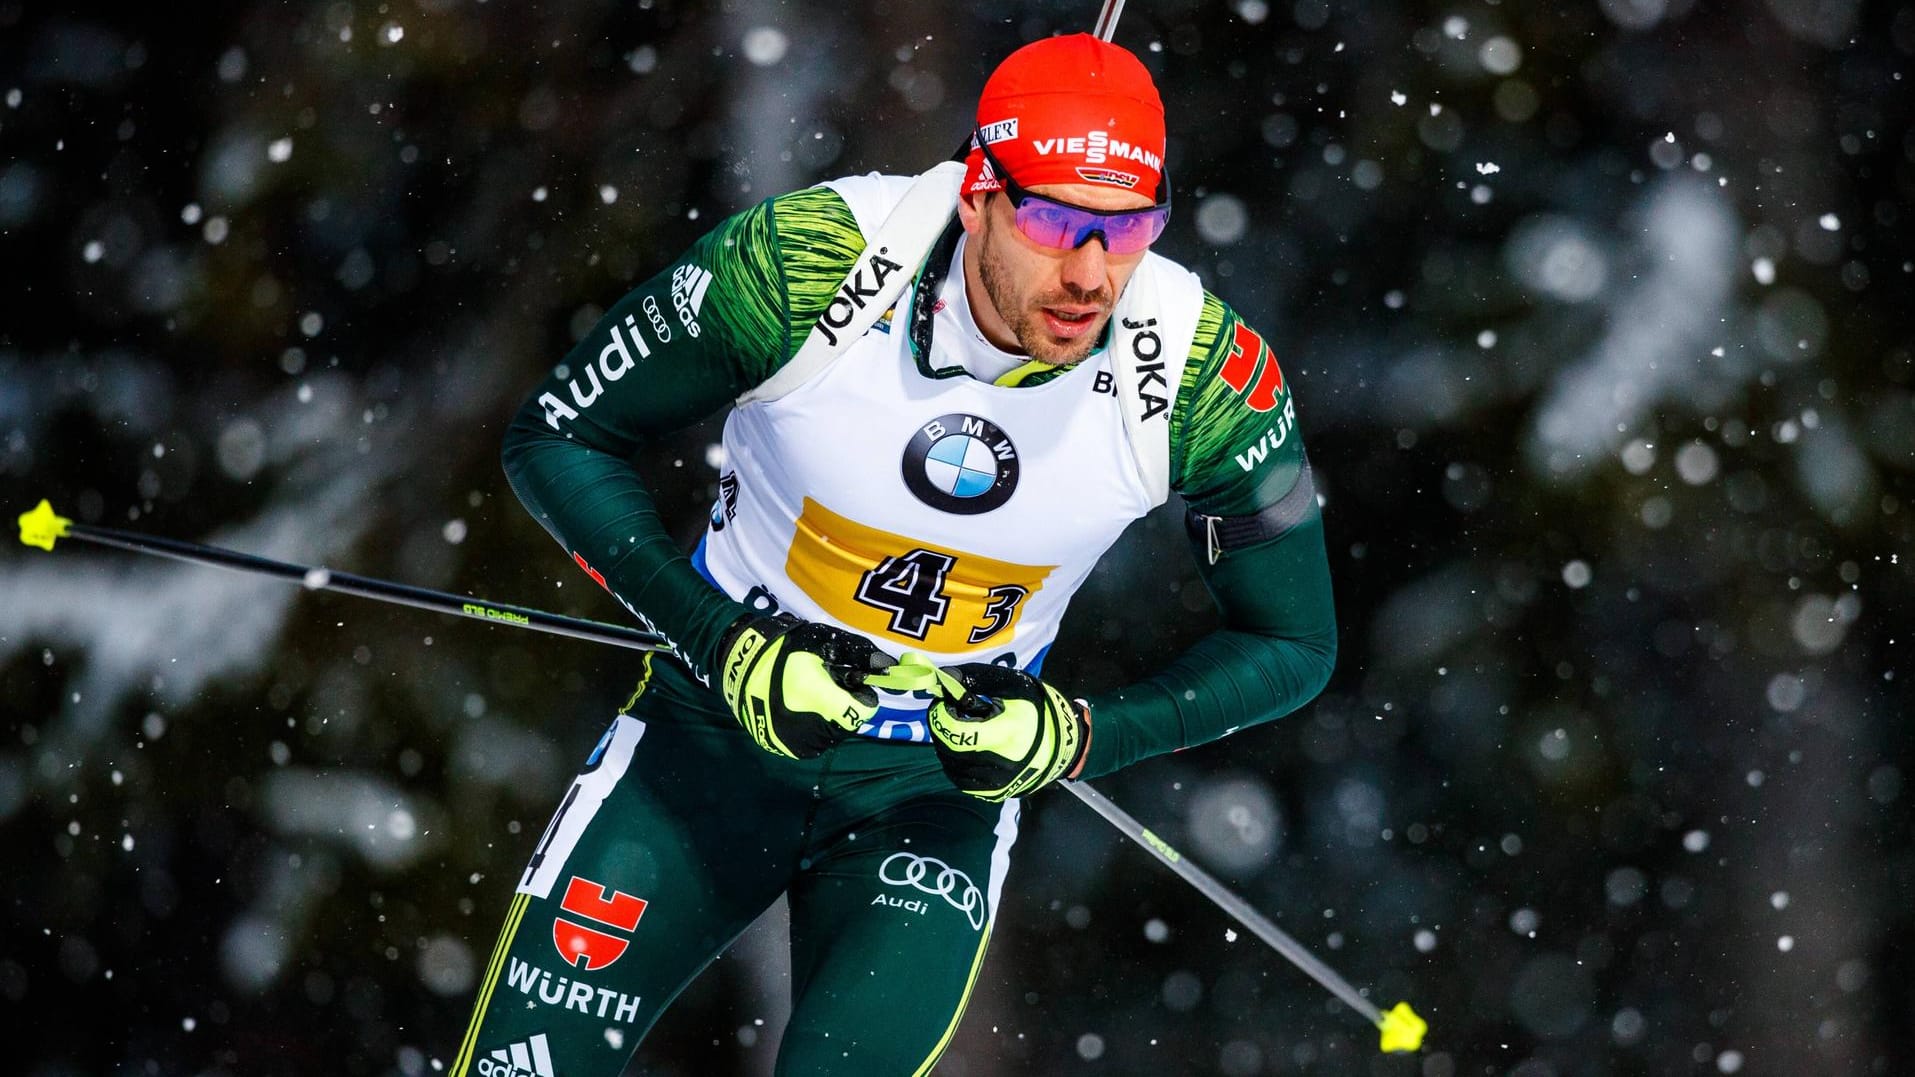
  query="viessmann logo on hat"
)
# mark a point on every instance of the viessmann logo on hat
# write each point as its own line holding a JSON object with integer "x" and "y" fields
{"x": 1097, "y": 147}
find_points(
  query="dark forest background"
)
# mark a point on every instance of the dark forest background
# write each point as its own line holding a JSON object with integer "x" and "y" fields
{"x": 1591, "y": 310}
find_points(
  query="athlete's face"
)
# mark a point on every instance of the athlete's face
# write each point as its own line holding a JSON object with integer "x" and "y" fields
{"x": 1048, "y": 303}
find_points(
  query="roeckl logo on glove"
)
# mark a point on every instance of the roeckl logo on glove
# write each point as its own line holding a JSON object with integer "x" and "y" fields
{"x": 760, "y": 718}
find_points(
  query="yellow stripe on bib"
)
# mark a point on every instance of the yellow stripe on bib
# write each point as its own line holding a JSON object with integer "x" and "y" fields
{"x": 926, "y": 596}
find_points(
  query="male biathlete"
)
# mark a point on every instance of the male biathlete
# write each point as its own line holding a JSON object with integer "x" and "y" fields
{"x": 931, "y": 494}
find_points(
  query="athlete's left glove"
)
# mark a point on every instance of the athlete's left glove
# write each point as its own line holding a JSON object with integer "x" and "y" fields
{"x": 1002, "y": 733}
{"x": 799, "y": 687}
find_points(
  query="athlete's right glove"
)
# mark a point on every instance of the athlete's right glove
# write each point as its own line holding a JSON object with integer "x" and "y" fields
{"x": 799, "y": 687}
{"x": 1002, "y": 733}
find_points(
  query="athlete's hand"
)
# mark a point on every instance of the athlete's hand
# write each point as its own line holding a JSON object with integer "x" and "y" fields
{"x": 799, "y": 687}
{"x": 1002, "y": 733}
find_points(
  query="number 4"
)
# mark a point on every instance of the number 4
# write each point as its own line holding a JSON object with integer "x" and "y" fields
{"x": 911, "y": 588}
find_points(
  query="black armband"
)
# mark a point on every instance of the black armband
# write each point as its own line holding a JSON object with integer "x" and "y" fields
{"x": 1221, "y": 534}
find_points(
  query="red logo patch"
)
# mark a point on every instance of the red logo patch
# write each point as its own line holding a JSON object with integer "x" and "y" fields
{"x": 1108, "y": 175}
{"x": 590, "y": 571}
{"x": 1245, "y": 353}
{"x": 588, "y": 948}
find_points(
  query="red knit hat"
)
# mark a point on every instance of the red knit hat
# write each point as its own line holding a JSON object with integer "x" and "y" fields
{"x": 1073, "y": 109}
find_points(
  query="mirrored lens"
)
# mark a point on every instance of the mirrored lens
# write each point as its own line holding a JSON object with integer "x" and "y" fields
{"x": 1051, "y": 224}
{"x": 1132, "y": 232}
{"x": 1068, "y": 227}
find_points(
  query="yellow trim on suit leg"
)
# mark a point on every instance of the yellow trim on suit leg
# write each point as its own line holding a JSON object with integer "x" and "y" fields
{"x": 977, "y": 963}
{"x": 506, "y": 934}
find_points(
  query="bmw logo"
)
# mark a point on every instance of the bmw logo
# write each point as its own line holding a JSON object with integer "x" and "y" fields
{"x": 962, "y": 464}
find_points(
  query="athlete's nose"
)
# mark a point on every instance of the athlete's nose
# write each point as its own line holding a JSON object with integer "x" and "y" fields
{"x": 1085, "y": 267}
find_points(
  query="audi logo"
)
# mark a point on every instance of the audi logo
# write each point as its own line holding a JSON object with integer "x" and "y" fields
{"x": 955, "y": 887}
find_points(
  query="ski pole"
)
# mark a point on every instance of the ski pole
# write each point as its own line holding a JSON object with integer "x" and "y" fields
{"x": 43, "y": 526}
{"x": 1107, "y": 17}
{"x": 1401, "y": 1028}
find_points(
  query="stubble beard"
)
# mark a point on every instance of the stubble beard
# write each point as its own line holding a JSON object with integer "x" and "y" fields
{"x": 1026, "y": 322}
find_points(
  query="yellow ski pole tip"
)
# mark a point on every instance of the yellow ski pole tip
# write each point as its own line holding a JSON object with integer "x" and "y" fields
{"x": 41, "y": 526}
{"x": 1402, "y": 1029}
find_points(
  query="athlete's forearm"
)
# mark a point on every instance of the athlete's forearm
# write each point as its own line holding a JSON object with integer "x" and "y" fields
{"x": 1273, "y": 655}
{"x": 597, "y": 507}
{"x": 659, "y": 360}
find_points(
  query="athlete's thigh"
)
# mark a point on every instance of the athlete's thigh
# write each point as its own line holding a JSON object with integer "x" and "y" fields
{"x": 663, "y": 850}
{"x": 888, "y": 931}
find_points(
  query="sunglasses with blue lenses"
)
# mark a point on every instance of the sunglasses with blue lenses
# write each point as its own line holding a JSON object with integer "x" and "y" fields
{"x": 1064, "y": 226}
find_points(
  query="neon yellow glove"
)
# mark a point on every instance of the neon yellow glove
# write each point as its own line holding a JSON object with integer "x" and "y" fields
{"x": 799, "y": 687}
{"x": 1002, "y": 733}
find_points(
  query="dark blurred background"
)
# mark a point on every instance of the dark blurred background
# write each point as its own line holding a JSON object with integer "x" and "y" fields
{"x": 1591, "y": 311}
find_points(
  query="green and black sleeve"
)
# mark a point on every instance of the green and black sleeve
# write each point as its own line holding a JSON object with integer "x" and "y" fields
{"x": 1237, "y": 459}
{"x": 677, "y": 348}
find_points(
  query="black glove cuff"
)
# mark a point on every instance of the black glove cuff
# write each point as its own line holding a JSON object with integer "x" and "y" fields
{"x": 1083, "y": 736}
{"x": 730, "y": 635}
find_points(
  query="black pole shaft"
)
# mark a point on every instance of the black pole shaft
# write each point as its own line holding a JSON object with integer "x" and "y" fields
{"x": 322, "y": 579}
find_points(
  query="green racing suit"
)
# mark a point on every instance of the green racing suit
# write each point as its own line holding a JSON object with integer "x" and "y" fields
{"x": 680, "y": 831}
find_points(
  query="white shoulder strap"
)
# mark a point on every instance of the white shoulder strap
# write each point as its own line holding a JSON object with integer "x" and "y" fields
{"x": 1151, "y": 332}
{"x": 876, "y": 280}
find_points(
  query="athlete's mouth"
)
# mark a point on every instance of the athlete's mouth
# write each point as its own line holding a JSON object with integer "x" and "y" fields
{"x": 1070, "y": 321}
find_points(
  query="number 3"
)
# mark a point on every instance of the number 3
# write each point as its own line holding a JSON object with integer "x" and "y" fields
{"x": 999, "y": 608}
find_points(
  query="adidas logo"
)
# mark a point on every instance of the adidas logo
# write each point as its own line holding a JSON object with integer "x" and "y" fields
{"x": 528, "y": 1059}
{"x": 688, "y": 294}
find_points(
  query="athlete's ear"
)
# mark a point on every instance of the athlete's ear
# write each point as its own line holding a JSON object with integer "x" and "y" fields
{"x": 971, "y": 214}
